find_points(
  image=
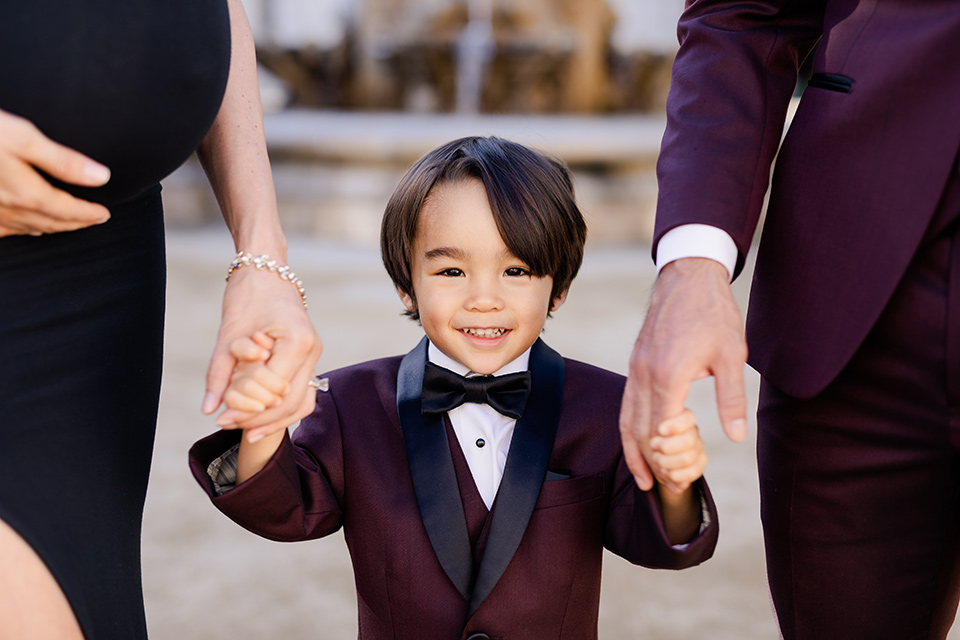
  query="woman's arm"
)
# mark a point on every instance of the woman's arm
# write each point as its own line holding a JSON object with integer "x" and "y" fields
{"x": 234, "y": 157}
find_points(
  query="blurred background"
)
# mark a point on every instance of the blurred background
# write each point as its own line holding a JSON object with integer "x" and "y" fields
{"x": 355, "y": 91}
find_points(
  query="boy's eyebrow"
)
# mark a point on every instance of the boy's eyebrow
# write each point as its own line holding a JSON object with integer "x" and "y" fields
{"x": 445, "y": 252}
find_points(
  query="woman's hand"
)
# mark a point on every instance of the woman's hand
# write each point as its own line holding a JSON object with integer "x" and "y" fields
{"x": 29, "y": 205}
{"x": 260, "y": 301}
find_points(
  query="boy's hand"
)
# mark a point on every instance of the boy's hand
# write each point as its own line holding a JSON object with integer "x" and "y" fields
{"x": 678, "y": 452}
{"x": 253, "y": 386}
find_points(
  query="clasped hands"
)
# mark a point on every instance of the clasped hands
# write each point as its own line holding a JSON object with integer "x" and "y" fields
{"x": 265, "y": 337}
{"x": 693, "y": 329}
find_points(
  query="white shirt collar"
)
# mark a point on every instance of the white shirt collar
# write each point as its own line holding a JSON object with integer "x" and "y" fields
{"x": 437, "y": 357}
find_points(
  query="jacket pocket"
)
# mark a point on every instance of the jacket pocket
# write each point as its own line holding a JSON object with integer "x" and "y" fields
{"x": 560, "y": 492}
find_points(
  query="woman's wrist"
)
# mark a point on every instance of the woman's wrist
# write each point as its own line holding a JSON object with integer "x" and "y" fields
{"x": 261, "y": 238}
{"x": 263, "y": 262}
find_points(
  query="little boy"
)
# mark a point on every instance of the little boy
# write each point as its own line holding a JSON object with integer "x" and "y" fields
{"x": 479, "y": 477}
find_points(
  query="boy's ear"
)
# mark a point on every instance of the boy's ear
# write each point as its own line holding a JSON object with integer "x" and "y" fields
{"x": 558, "y": 301}
{"x": 406, "y": 299}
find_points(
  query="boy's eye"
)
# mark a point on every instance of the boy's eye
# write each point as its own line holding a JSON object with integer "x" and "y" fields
{"x": 517, "y": 271}
{"x": 452, "y": 272}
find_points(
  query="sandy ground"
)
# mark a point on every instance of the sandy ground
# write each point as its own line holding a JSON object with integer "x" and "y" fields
{"x": 204, "y": 577}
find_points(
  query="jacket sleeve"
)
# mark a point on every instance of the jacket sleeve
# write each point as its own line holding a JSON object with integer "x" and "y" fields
{"x": 635, "y": 530}
{"x": 733, "y": 78}
{"x": 298, "y": 495}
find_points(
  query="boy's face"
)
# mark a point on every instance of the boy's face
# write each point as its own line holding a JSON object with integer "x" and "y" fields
{"x": 478, "y": 303}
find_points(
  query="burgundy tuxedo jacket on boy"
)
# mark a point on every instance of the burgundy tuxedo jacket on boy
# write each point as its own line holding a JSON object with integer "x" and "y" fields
{"x": 429, "y": 561}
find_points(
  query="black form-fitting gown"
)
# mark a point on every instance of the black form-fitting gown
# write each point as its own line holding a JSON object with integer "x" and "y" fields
{"x": 134, "y": 84}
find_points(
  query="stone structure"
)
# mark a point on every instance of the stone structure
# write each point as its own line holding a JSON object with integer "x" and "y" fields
{"x": 545, "y": 56}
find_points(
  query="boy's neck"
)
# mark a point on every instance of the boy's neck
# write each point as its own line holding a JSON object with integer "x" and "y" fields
{"x": 437, "y": 357}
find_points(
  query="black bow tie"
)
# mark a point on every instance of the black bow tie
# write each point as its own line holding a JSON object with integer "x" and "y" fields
{"x": 444, "y": 390}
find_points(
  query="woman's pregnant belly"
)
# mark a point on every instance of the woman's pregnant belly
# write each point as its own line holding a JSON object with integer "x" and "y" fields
{"x": 134, "y": 84}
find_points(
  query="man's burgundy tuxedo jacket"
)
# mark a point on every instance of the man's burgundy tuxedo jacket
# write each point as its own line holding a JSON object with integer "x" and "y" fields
{"x": 858, "y": 177}
{"x": 367, "y": 459}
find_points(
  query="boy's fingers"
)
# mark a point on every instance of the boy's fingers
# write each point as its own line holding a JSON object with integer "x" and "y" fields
{"x": 297, "y": 403}
{"x": 246, "y": 349}
{"x": 270, "y": 381}
{"x": 684, "y": 421}
{"x": 263, "y": 340}
{"x": 306, "y": 407}
{"x": 686, "y": 476}
{"x": 242, "y": 402}
{"x": 250, "y": 387}
{"x": 676, "y": 444}
{"x": 679, "y": 460}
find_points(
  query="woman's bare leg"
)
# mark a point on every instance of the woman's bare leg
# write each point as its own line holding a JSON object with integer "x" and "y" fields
{"x": 32, "y": 606}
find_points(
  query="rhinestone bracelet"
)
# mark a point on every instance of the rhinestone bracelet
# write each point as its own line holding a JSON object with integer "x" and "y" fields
{"x": 264, "y": 263}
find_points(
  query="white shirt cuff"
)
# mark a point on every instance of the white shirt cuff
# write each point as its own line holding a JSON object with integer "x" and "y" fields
{"x": 697, "y": 241}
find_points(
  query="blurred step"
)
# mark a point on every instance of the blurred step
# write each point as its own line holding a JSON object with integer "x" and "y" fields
{"x": 334, "y": 171}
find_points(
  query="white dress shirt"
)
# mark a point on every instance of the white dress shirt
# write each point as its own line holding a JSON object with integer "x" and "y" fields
{"x": 697, "y": 241}
{"x": 483, "y": 433}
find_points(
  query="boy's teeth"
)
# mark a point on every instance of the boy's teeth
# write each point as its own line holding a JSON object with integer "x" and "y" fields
{"x": 485, "y": 333}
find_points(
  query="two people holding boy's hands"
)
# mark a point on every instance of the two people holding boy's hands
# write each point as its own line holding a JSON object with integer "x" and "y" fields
{"x": 675, "y": 448}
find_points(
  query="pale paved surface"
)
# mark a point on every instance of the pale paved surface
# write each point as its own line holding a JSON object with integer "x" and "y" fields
{"x": 207, "y": 578}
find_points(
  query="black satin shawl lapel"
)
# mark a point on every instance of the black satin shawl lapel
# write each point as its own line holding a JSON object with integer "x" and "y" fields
{"x": 434, "y": 479}
{"x": 526, "y": 467}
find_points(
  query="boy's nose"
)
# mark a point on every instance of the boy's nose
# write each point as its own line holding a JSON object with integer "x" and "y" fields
{"x": 484, "y": 296}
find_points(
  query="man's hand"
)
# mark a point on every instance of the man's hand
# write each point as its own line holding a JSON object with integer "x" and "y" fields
{"x": 29, "y": 205}
{"x": 692, "y": 330}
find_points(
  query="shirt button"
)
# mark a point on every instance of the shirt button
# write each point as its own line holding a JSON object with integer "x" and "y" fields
{"x": 481, "y": 442}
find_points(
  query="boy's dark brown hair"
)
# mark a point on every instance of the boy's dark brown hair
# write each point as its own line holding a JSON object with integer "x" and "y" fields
{"x": 530, "y": 195}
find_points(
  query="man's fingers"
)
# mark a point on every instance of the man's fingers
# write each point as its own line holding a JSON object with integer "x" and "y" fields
{"x": 632, "y": 428}
{"x": 732, "y": 402}
{"x": 638, "y": 467}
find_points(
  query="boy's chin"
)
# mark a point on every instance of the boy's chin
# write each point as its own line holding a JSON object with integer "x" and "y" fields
{"x": 489, "y": 365}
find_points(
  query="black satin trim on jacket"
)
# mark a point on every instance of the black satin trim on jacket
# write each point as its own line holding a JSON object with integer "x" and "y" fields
{"x": 831, "y": 82}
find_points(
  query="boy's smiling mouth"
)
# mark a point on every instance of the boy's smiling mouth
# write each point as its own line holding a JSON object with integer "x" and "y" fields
{"x": 484, "y": 333}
